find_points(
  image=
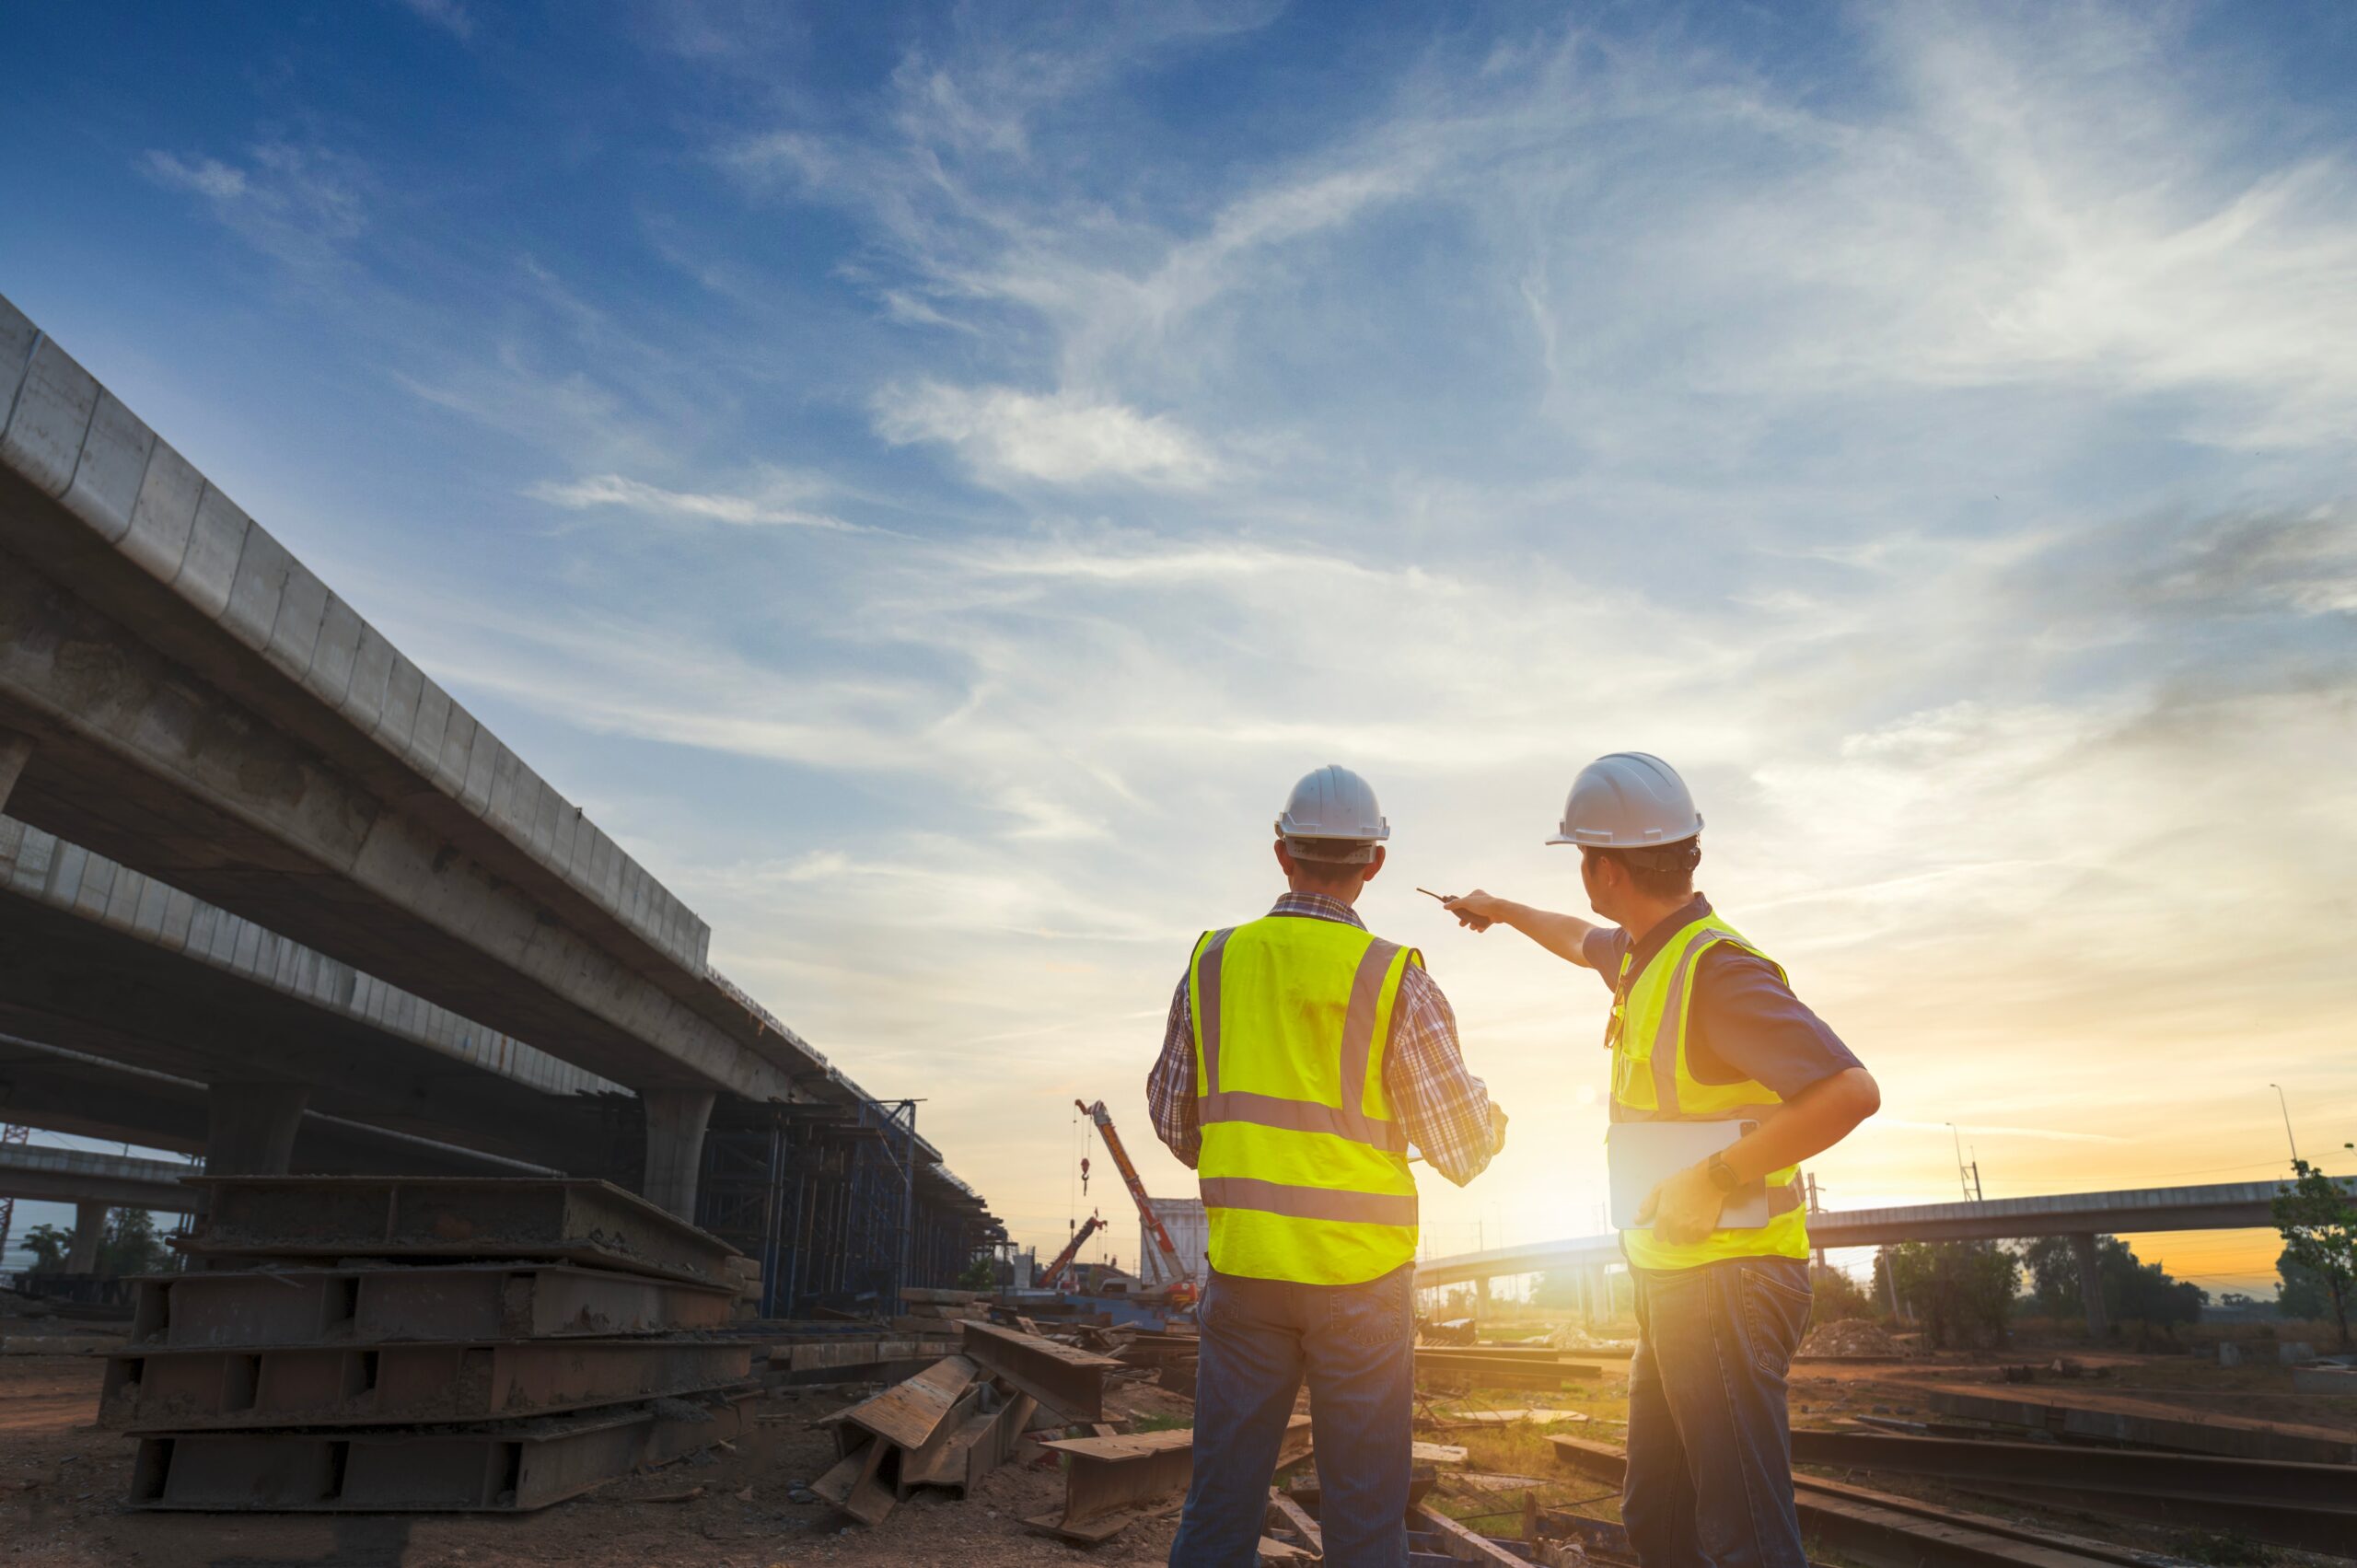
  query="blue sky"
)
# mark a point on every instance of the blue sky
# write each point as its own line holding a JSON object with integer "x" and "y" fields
{"x": 928, "y": 480}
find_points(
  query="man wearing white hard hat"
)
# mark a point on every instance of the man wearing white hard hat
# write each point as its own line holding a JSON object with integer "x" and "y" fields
{"x": 1303, "y": 1057}
{"x": 1710, "y": 1050}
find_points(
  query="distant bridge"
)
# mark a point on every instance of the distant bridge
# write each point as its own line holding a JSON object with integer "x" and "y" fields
{"x": 2240, "y": 1205}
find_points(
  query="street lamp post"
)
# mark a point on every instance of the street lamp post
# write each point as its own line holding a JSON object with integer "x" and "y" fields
{"x": 2286, "y": 1107}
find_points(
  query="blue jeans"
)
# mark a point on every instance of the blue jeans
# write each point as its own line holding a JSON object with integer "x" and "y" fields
{"x": 1357, "y": 1344}
{"x": 1710, "y": 1437}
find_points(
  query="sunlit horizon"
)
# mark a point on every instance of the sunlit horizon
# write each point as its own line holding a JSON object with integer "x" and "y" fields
{"x": 928, "y": 484}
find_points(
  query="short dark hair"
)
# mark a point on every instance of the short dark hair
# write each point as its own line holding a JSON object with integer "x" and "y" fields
{"x": 1664, "y": 873}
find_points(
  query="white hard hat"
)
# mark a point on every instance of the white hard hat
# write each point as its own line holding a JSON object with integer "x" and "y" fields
{"x": 1337, "y": 806}
{"x": 1629, "y": 800}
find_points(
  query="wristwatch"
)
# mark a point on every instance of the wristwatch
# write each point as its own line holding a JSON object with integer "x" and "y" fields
{"x": 1722, "y": 1176}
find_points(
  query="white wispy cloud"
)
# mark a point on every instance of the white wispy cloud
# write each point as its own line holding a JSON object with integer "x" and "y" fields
{"x": 301, "y": 204}
{"x": 1058, "y": 439}
{"x": 448, "y": 15}
{"x": 771, "y": 507}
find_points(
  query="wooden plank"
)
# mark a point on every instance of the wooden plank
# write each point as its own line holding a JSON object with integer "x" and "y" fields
{"x": 908, "y": 1414}
{"x": 1460, "y": 1542}
{"x": 1436, "y": 1454}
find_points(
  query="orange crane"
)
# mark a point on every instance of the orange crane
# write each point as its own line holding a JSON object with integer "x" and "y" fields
{"x": 1174, "y": 1275}
{"x": 1052, "y": 1277}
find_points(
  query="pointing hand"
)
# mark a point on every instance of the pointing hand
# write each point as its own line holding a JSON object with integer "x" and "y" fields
{"x": 1476, "y": 910}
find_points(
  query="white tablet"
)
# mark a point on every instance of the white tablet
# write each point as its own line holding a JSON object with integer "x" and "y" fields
{"x": 1643, "y": 1155}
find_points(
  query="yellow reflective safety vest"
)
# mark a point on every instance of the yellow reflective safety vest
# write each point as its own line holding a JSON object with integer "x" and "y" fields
{"x": 1652, "y": 1081}
{"x": 1304, "y": 1166}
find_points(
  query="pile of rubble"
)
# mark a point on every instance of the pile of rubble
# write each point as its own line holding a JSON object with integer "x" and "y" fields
{"x": 1003, "y": 1385}
{"x": 447, "y": 1343}
{"x": 1850, "y": 1337}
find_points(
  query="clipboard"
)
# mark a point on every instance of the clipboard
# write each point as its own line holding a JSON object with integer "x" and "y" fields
{"x": 1641, "y": 1156}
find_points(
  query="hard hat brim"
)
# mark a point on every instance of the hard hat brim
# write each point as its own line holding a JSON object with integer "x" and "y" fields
{"x": 1607, "y": 840}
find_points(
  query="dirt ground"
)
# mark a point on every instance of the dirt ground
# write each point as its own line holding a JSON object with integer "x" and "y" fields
{"x": 62, "y": 1480}
{"x": 62, "y": 1485}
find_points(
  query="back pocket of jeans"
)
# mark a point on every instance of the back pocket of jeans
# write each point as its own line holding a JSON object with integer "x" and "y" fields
{"x": 1371, "y": 1315}
{"x": 1775, "y": 1316}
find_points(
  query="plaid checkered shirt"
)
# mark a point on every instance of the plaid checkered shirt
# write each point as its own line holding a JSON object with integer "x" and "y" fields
{"x": 1444, "y": 1109}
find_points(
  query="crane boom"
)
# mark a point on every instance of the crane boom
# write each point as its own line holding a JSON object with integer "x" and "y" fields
{"x": 1052, "y": 1275}
{"x": 1174, "y": 1270}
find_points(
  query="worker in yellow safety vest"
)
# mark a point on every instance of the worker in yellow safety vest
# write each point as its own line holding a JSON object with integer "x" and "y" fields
{"x": 1305, "y": 1057}
{"x": 1710, "y": 1050}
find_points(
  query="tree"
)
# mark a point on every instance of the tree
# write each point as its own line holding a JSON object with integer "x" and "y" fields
{"x": 49, "y": 1246}
{"x": 981, "y": 1274}
{"x": 2133, "y": 1291}
{"x": 132, "y": 1246}
{"x": 2301, "y": 1294}
{"x": 2319, "y": 1233}
{"x": 1839, "y": 1297}
{"x": 1961, "y": 1291}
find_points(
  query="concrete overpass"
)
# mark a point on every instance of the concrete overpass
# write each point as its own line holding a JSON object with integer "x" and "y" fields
{"x": 93, "y": 1183}
{"x": 108, "y": 962}
{"x": 186, "y": 705}
{"x": 2082, "y": 1216}
{"x": 85, "y": 1177}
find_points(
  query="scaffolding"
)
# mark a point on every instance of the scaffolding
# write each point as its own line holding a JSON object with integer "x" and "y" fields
{"x": 840, "y": 1205}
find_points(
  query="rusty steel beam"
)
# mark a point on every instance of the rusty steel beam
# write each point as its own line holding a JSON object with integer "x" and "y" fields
{"x": 1109, "y": 1480}
{"x": 454, "y": 1216}
{"x": 2309, "y": 1527}
{"x": 218, "y": 1308}
{"x": 2141, "y": 1422}
{"x": 2052, "y": 1464}
{"x": 1877, "y": 1530}
{"x": 182, "y": 1390}
{"x": 984, "y": 1442}
{"x": 1071, "y": 1382}
{"x": 1459, "y": 1543}
{"x": 512, "y": 1468}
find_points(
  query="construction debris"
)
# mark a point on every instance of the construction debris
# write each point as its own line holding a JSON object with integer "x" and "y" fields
{"x": 1109, "y": 1482}
{"x": 1850, "y": 1339}
{"x": 507, "y": 1345}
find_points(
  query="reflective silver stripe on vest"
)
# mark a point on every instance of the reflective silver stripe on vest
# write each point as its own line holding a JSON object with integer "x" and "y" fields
{"x": 1665, "y": 1068}
{"x": 1308, "y": 1202}
{"x": 1300, "y": 1116}
{"x": 1207, "y": 1026}
{"x": 1358, "y": 1030}
{"x": 1784, "y": 1199}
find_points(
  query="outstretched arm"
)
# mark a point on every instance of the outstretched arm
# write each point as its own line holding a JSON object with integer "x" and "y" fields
{"x": 1565, "y": 935}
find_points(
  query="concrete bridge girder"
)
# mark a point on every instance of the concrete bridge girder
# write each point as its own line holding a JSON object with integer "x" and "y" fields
{"x": 106, "y": 984}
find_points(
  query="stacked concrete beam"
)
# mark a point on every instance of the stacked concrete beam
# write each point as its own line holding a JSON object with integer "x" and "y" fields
{"x": 510, "y": 1343}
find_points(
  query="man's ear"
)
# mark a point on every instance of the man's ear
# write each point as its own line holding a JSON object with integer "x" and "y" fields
{"x": 1284, "y": 856}
{"x": 1372, "y": 865}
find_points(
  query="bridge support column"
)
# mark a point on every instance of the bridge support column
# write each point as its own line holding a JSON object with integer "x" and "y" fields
{"x": 15, "y": 752}
{"x": 249, "y": 1128}
{"x": 89, "y": 1229}
{"x": 2083, "y": 1248}
{"x": 675, "y": 1124}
